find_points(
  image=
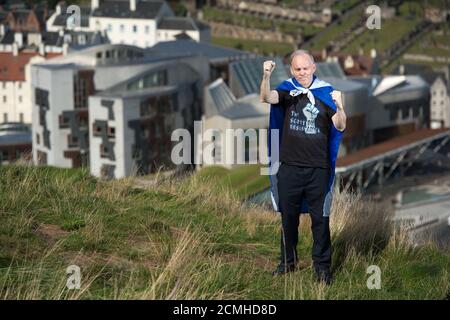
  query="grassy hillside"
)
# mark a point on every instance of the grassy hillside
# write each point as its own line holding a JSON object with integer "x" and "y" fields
{"x": 188, "y": 239}
{"x": 243, "y": 181}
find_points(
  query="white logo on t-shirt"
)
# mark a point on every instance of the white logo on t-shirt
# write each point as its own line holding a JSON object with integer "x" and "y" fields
{"x": 309, "y": 126}
{"x": 311, "y": 112}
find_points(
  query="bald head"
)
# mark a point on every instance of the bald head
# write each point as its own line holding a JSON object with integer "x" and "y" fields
{"x": 302, "y": 53}
{"x": 303, "y": 67}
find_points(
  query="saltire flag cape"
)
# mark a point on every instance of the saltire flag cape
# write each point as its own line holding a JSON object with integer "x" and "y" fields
{"x": 320, "y": 90}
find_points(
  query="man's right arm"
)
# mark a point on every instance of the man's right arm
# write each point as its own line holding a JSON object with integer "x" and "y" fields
{"x": 267, "y": 95}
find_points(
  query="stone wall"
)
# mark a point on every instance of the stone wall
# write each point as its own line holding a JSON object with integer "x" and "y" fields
{"x": 231, "y": 31}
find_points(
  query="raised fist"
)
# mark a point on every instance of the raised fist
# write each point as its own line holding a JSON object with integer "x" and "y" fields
{"x": 268, "y": 67}
{"x": 337, "y": 98}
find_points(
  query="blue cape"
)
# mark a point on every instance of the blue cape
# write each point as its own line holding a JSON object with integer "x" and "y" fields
{"x": 322, "y": 91}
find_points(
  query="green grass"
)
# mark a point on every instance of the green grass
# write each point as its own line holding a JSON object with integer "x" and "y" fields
{"x": 256, "y": 46}
{"x": 334, "y": 32}
{"x": 343, "y": 5}
{"x": 189, "y": 239}
{"x": 392, "y": 30}
{"x": 250, "y": 21}
{"x": 244, "y": 180}
{"x": 389, "y": 68}
{"x": 428, "y": 44}
{"x": 382, "y": 39}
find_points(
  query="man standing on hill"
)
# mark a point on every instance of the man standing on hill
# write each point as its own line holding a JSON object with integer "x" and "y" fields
{"x": 311, "y": 120}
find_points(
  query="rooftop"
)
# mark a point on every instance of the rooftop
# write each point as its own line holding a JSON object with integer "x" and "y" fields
{"x": 145, "y": 9}
{"x": 329, "y": 69}
{"x": 213, "y": 52}
{"x": 181, "y": 23}
{"x": 61, "y": 19}
{"x": 12, "y": 68}
{"x": 388, "y": 146}
{"x": 249, "y": 73}
{"x": 226, "y": 104}
{"x": 145, "y": 92}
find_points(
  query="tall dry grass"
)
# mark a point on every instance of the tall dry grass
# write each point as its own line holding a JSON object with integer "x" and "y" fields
{"x": 188, "y": 269}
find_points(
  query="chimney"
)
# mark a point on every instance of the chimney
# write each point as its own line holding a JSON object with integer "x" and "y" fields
{"x": 361, "y": 51}
{"x": 65, "y": 48}
{"x": 58, "y": 8}
{"x": 133, "y": 5}
{"x": 324, "y": 54}
{"x": 15, "y": 49}
{"x": 349, "y": 62}
{"x": 94, "y": 4}
{"x": 18, "y": 39}
{"x": 42, "y": 49}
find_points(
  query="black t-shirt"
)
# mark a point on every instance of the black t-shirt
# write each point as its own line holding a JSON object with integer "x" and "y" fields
{"x": 305, "y": 131}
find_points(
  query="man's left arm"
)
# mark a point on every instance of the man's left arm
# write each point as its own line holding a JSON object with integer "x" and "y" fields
{"x": 339, "y": 119}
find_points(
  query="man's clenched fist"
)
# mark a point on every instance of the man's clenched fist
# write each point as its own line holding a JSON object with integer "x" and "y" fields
{"x": 268, "y": 67}
{"x": 337, "y": 98}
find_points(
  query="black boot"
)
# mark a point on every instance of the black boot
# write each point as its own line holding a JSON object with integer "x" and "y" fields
{"x": 325, "y": 276}
{"x": 281, "y": 269}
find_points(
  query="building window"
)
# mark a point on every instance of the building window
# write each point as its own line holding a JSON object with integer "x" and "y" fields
{"x": 416, "y": 111}
{"x": 63, "y": 122}
{"x": 147, "y": 29}
{"x": 20, "y": 99}
{"x": 104, "y": 151}
{"x": 111, "y": 132}
{"x": 82, "y": 89}
{"x": 97, "y": 130}
{"x": 19, "y": 85}
{"x": 21, "y": 117}
{"x": 135, "y": 152}
{"x": 4, "y": 155}
{"x": 5, "y": 117}
{"x": 122, "y": 28}
{"x": 82, "y": 39}
{"x": 135, "y": 28}
{"x": 82, "y": 121}
{"x": 175, "y": 103}
{"x": 38, "y": 138}
{"x": 151, "y": 80}
{"x": 41, "y": 157}
{"x": 72, "y": 141}
{"x": 405, "y": 112}
{"x": 110, "y": 27}
{"x": 4, "y": 99}
{"x": 4, "y": 84}
{"x": 99, "y": 55}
